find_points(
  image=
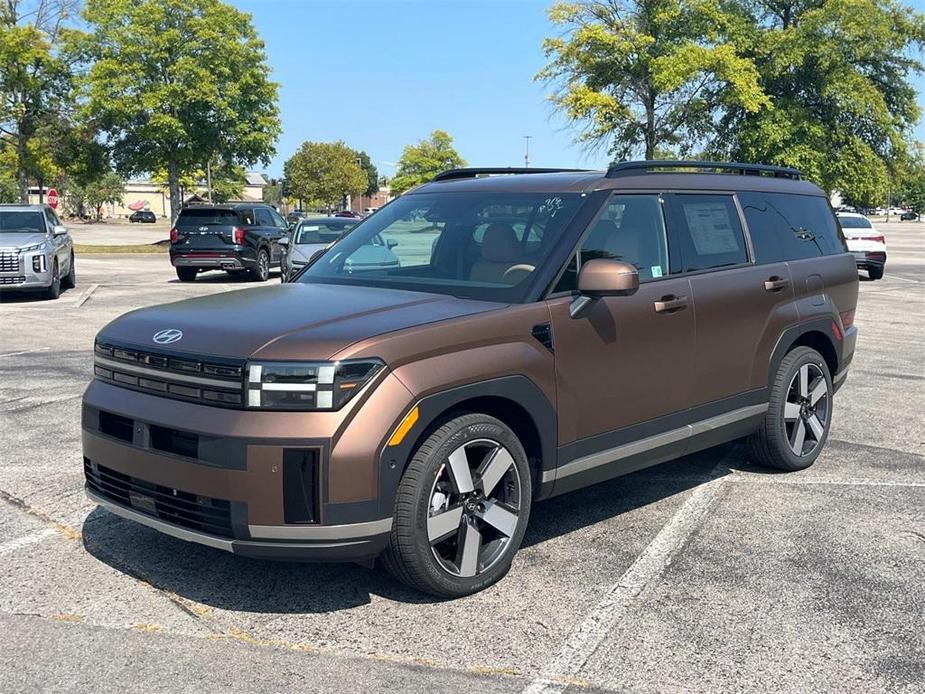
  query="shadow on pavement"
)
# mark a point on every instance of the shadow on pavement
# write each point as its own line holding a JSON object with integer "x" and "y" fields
{"x": 228, "y": 582}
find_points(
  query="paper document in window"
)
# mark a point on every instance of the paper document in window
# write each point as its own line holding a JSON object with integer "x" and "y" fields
{"x": 711, "y": 230}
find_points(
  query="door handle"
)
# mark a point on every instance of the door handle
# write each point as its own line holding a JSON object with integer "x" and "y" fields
{"x": 775, "y": 283}
{"x": 670, "y": 304}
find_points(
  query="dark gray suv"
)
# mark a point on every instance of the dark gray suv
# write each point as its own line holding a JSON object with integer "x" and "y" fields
{"x": 240, "y": 238}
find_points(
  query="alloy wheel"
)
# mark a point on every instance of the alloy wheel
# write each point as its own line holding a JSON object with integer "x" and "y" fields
{"x": 474, "y": 508}
{"x": 806, "y": 410}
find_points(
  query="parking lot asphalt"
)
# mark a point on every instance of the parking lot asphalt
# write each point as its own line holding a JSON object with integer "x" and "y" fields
{"x": 702, "y": 574}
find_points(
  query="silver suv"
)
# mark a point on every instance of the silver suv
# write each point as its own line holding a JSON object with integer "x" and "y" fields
{"x": 36, "y": 251}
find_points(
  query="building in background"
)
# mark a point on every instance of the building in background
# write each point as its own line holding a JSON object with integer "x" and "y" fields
{"x": 361, "y": 203}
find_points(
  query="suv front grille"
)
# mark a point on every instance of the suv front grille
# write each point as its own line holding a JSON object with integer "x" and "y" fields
{"x": 183, "y": 377}
{"x": 9, "y": 260}
{"x": 193, "y": 511}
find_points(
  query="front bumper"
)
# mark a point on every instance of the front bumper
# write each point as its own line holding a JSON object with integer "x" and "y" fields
{"x": 280, "y": 485}
{"x": 18, "y": 272}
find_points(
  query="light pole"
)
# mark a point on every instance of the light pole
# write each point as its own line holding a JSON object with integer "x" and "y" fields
{"x": 527, "y": 151}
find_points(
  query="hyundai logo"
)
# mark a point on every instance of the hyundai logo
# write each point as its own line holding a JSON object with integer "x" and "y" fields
{"x": 167, "y": 337}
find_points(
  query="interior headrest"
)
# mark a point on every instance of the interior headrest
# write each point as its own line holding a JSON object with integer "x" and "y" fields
{"x": 500, "y": 245}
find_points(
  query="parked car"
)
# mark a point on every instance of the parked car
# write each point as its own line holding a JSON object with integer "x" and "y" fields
{"x": 143, "y": 217}
{"x": 909, "y": 216}
{"x": 36, "y": 251}
{"x": 866, "y": 243}
{"x": 608, "y": 322}
{"x": 235, "y": 238}
{"x": 309, "y": 236}
{"x": 295, "y": 216}
{"x": 348, "y": 213}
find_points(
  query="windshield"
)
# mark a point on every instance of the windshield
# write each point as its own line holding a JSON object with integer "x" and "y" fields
{"x": 855, "y": 223}
{"x": 473, "y": 245}
{"x": 12, "y": 222}
{"x": 322, "y": 231}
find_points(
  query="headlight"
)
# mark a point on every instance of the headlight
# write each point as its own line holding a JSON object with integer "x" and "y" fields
{"x": 278, "y": 385}
{"x": 37, "y": 247}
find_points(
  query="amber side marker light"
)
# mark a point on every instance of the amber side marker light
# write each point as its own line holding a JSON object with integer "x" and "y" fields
{"x": 409, "y": 421}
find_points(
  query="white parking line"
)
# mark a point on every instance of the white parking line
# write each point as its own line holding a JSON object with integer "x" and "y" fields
{"x": 25, "y": 351}
{"x": 86, "y": 295}
{"x": 655, "y": 558}
{"x": 11, "y": 546}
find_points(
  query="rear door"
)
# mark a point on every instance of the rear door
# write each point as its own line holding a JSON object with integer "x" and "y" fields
{"x": 205, "y": 229}
{"x": 742, "y": 307}
{"x": 270, "y": 230}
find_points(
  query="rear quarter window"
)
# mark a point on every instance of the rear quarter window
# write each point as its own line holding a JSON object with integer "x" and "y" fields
{"x": 784, "y": 226}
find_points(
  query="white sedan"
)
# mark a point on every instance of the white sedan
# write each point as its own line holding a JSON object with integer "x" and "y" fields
{"x": 867, "y": 244}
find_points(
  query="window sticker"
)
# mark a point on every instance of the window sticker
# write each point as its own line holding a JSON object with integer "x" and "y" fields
{"x": 656, "y": 270}
{"x": 550, "y": 206}
{"x": 710, "y": 228}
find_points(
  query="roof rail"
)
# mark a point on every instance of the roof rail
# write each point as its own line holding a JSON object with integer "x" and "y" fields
{"x": 629, "y": 168}
{"x": 472, "y": 172}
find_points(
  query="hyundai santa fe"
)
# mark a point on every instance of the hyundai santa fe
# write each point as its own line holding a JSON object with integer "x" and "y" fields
{"x": 541, "y": 330}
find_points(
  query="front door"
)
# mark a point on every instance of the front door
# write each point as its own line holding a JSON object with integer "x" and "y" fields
{"x": 624, "y": 368}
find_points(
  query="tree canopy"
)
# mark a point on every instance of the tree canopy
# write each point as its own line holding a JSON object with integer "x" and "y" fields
{"x": 419, "y": 163}
{"x": 175, "y": 83}
{"x": 837, "y": 73}
{"x": 35, "y": 86}
{"x": 372, "y": 174}
{"x": 322, "y": 173}
{"x": 641, "y": 76}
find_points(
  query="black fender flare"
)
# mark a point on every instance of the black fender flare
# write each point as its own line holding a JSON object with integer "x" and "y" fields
{"x": 826, "y": 326}
{"x": 518, "y": 389}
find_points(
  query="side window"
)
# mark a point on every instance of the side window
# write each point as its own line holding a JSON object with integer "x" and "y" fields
{"x": 631, "y": 228}
{"x": 51, "y": 219}
{"x": 247, "y": 218}
{"x": 263, "y": 217}
{"x": 708, "y": 231}
{"x": 784, "y": 226}
{"x": 278, "y": 220}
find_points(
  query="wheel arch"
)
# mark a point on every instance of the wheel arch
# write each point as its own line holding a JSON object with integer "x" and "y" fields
{"x": 514, "y": 400}
{"x": 822, "y": 335}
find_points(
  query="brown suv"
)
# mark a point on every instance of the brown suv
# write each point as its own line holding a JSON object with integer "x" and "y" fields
{"x": 541, "y": 332}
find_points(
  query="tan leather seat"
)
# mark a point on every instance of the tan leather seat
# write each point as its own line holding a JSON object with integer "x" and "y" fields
{"x": 502, "y": 257}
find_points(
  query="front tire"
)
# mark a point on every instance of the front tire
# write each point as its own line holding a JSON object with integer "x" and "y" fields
{"x": 54, "y": 290}
{"x": 187, "y": 274}
{"x": 799, "y": 416}
{"x": 461, "y": 509}
{"x": 70, "y": 281}
{"x": 261, "y": 272}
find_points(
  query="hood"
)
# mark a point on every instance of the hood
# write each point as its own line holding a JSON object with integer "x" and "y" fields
{"x": 305, "y": 251}
{"x": 20, "y": 240}
{"x": 286, "y": 321}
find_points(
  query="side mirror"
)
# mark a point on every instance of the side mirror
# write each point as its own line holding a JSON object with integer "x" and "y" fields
{"x": 59, "y": 230}
{"x": 602, "y": 277}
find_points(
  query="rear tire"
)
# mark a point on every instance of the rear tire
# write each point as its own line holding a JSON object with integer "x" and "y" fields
{"x": 875, "y": 273}
{"x": 54, "y": 290}
{"x": 70, "y": 281}
{"x": 187, "y": 274}
{"x": 461, "y": 509}
{"x": 261, "y": 272}
{"x": 799, "y": 416}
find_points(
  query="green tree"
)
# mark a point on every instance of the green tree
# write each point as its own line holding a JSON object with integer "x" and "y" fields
{"x": 838, "y": 76}
{"x": 273, "y": 192}
{"x": 35, "y": 82}
{"x": 227, "y": 182}
{"x": 322, "y": 173}
{"x": 107, "y": 188}
{"x": 421, "y": 162}
{"x": 176, "y": 83}
{"x": 647, "y": 75}
{"x": 372, "y": 174}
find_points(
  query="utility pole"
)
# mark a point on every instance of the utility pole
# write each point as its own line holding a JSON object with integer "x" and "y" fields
{"x": 527, "y": 151}
{"x": 209, "y": 177}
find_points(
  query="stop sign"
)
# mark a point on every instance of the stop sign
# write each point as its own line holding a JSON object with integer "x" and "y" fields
{"x": 53, "y": 198}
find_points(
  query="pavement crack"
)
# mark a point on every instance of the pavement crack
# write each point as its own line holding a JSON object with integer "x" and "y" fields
{"x": 64, "y": 529}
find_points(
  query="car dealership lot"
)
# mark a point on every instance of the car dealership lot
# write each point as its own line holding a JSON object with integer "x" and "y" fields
{"x": 701, "y": 574}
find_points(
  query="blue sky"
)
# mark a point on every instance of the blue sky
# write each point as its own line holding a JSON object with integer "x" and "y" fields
{"x": 382, "y": 74}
